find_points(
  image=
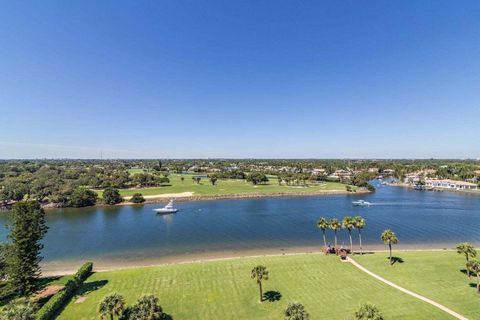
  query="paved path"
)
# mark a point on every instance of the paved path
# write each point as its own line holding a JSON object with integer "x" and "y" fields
{"x": 413, "y": 294}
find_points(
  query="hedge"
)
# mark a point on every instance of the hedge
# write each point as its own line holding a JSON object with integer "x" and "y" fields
{"x": 50, "y": 309}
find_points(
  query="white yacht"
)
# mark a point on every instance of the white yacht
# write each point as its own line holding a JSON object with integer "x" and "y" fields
{"x": 361, "y": 203}
{"x": 167, "y": 209}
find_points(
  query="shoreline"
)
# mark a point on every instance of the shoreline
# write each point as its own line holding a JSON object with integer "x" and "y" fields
{"x": 62, "y": 268}
{"x": 408, "y": 186}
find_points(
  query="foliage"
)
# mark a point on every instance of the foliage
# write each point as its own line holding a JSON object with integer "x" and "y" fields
{"x": 323, "y": 225}
{"x": 83, "y": 197}
{"x": 257, "y": 178}
{"x": 23, "y": 260}
{"x": 146, "y": 308}
{"x": 19, "y": 309}
{"x": 469, "y": 251}
{"x": 389, "y": 237}
{"x": 259, "y": 273}
{"x": 137, "y": 198}
{"x": 368, "y": 311}
{"x": 296, "y": 311}
{"x": 112, "y": 196}
{"x": 50, "y": 309}
{"x": 111, "y": 305}
{"x": 334, "y": 224}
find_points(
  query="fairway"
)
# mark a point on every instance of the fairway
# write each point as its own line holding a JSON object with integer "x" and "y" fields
{"x": 434, "y": 274}
{"x": 329, "y": 289}
{"x": 228, "y": 187}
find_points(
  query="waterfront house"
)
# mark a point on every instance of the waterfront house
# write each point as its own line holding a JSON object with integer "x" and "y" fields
{"x": 451, "y": 184}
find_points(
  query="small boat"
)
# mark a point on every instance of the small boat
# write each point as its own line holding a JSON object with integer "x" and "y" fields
{"x": 361, "y": 203}
{"x": 167, "y": 209}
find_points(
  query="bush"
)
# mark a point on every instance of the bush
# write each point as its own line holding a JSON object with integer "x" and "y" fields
{"x": 82, "y": 197}
{"x": 370, "y": 187}
{"x": 52, "y": 307}
{"x": 112, "y": 196}
{"x": 137, "y": 198}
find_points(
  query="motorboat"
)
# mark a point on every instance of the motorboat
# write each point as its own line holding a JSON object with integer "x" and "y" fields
{"x": 361, "y": 203}
{"x": 167, "y": 209}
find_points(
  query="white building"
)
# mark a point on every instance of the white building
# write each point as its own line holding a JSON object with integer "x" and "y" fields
{"x": 451, "y": 184}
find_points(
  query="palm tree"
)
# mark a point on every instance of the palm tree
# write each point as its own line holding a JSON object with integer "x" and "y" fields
{"x": 296, "y": 311}
{"x": 111, "y": 305}
{"x": 322, "y": 224}
{"x": 146, "y": 308}
{"x": 474, "y": 266}
{"x": 359, "y": 225}
{"x": 349, "y": 224}
{"x": 334, "y": 224}
{"x": 389, "y": 237}
{"x": 468, "y": 250}
{"x": 260, "y": 273}
{"x": 368, "y": 311}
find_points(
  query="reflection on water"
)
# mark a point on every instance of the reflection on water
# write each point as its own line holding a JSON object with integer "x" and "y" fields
{"x": 135, "y": 232}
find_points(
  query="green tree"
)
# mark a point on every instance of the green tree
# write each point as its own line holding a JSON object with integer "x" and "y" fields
{"x": 27, "y": 229}
{"x": 19, "y": 309}
{"x": 359, "y": 225}
{"x": 389, "y": 237}
{"x": 4, "y": 251}
{"x": 82, "y": 197}
{"x": 474, "y": 266}
{"x": 296, "y": 311}
{"x": 468, "y": 250}
{"x": 213, "y": 180}
{"x": 111, "y": 306}
{"x": 137, "y": 198}
{"x": 322, "y": 224}
{"x": 368, "y": 311}
{"x": 257, "y": 178}
{"x": 349, "y": 224}
{"x": 112, "y": 196}
{"x": 146, "y": 308}
{"x": 182, "y": 179}
{"x": 260, "y": 273}
{"x": 334, "y": 224}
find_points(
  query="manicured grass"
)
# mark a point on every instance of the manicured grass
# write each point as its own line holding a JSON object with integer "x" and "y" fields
{"x": 329, "y": 289}
{"x": 434, "y": 274}
{"x": 225, "y": 187}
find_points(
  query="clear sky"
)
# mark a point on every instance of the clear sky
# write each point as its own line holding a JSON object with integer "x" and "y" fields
{"x": 289, "y": 79}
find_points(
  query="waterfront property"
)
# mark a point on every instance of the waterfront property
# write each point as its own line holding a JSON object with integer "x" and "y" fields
{"x": 328, "y": 288}
{"x": 450, "y": 184}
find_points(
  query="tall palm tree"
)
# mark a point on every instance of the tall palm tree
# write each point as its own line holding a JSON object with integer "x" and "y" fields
{"x": 468, "y": 250}
{"x": 349, "y": 224}
{"x": 334, "y": 224}
{"x": 260, "y": 273}
{"x": 111, "y": 305}
{"x": 368, "y": 311}
{"x": 296, "y": 311}
{"x": 322, "y": 224}
{"x": 359, "y": 225}
{"x": 389, "y": 237}
{"x": 474, "y": 266}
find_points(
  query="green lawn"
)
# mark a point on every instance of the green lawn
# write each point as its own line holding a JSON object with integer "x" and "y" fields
{"x": 329, "y": 288}
{"x": 225, "y": 187}
{"x": 434, "y": 274}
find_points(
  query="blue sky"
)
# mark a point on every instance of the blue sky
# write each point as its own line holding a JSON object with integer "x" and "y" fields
{"x": 289, "y": 79}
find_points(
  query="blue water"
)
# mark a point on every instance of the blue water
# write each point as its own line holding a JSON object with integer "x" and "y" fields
{"x": 424, "y": 219}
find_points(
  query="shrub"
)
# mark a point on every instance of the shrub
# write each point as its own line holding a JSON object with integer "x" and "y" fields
{"x": 21, "y": 308}
{"x": 370, "y": 187}
{"x": 137, "y": 198}
{"x": 82, "y": 197}
{"x": 112, "y": 196}
{"x": 52, "y": 307}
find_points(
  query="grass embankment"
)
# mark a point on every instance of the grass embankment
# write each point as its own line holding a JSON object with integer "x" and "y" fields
{"x": 228, "y": 187}
{"x": 329, "y": 289}
{"x": 435, "y": 274}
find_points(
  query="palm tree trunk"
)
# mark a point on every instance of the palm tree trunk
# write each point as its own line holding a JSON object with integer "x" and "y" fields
{"x": 468, "y": 270}
{"x": 111, "y": 316}
{"x": 335, "y": 239}
{"x": 324, "y": 240}
{"x": 478, "y": 282}
{"x": 360, "y": 239}
{"x": 261, "y": 292}
{"x": 390, "y": 247}
{"x": 351, "y": 243}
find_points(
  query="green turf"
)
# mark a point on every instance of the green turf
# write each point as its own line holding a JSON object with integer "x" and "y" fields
{"x": 227, "y": 186}
{"x": 436, "y": 275}
{"x": 329, "y": 288}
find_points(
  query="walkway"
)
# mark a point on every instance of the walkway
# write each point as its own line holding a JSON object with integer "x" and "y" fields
{"x": 413, "y": 294}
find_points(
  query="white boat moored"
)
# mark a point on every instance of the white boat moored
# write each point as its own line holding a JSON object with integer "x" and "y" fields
{"x": 361, "y": 203}
{"x": 167, "y": 209}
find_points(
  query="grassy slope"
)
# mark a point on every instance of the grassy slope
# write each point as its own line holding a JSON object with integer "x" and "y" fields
{"x": 226, "y": 187}
{"x": 327, "y": 287}
{"x": 435, "y": 275}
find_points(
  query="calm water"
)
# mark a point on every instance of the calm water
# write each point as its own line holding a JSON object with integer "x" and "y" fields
{"x": 135, "y": 233}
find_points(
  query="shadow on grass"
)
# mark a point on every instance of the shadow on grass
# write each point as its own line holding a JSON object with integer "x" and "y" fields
{"x": 272, "y": 296}
{"x": 396, "y": 260}
{"x": 465, "y": 272}
{"x": 88, "y": 287}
